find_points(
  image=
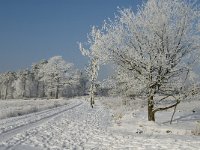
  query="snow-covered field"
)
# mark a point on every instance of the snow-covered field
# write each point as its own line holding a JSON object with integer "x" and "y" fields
{"x": 18, "y": 107}
{"x": 107, "y": 126}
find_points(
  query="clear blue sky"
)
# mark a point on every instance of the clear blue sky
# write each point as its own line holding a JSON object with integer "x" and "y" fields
{"x": 31, "y": 30}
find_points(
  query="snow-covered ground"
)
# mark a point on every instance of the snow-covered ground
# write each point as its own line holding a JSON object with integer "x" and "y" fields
{"x": 78, "y": 126}
{"x": 18, "y": 107}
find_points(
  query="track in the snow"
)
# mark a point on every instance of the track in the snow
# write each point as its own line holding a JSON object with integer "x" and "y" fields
{"x": 8, "y": 133}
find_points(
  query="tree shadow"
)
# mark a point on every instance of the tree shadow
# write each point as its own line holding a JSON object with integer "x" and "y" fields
{"x": 190, "y": 117}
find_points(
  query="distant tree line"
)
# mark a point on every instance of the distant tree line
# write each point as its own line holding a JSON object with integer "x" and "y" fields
{"x": 53, "y": 78}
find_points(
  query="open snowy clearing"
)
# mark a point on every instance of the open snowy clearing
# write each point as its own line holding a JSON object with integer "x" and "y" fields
{"x": 78, "y": 126}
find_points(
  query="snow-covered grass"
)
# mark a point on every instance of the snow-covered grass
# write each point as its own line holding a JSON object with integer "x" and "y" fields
{"x": 18, "y": 107}
{"x": 119, "y": 106}
{"x": 132, "y": 118}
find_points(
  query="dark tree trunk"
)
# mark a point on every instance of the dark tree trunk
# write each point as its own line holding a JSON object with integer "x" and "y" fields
{"x": 151, "y": 114}
{"x": 24, "y": 89}
{"x": 57, "y": 88}
{"x": 43, "y": 90}
{"x": 51, "y": 94}
{"x": 56, "y": 94}
{"x": 37, "y": 89}
{"x": 30, "y": 93}
{"x": 6, "y": 92}
{"x": 92, "y": 102}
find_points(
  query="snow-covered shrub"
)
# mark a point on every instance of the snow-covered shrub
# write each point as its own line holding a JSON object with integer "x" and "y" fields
{"x": 196, "y": 131}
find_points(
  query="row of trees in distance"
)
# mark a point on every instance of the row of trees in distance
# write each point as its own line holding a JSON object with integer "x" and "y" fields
{"x": 52, "y": 78}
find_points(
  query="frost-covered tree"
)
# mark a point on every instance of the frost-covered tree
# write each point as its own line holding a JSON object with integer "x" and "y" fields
{"x": 95, "y": 62}
{"x": 53, "y": 78}
{"x": 39, "y": 75}
{"x": 24, "y": 83}
{"x": 155, "y": 50}
{"x": 83, "y": 83}
{"x": 6, "y": 84}
{"x": 54, "y": 74}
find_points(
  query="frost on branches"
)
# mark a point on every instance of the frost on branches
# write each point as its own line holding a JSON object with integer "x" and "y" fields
{"x": 155, "y": 49}
{"x": 94, "y": 56}
{"x": 54, "y": 74}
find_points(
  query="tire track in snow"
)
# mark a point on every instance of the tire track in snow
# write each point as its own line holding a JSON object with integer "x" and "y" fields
{"x": 13, "y": 122}
{"x": 9, "y": 133}
{"x": 25, "y": 116}
{"x": 71, "y": 131}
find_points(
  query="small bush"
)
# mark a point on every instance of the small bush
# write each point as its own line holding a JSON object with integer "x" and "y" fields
{"x": 33, "y": 109}
{"x": 196, "y": 131}
{"x": 11, "y": 114}
{"x": 56, "y": 104}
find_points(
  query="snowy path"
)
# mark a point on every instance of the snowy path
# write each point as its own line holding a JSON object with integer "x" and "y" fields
{"x": 80, "y": 127}
{"x": 11, "y": 126}
{"x": 15, "y": 122}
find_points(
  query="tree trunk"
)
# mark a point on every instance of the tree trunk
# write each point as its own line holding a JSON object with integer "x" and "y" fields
{"x": 6, "y": 92}
{"x": 57, "y": 88}
{"x": 151, "y": 114}
{"x": 24, "y": 89}
{"x": 56, "y": 94}
{"x": 92, "y": 101}
{"x": 51, "y": 94}
{"x": 43, "y": 90}
{"x": 30, "y": 92}
{"x": 37, "y": 89}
